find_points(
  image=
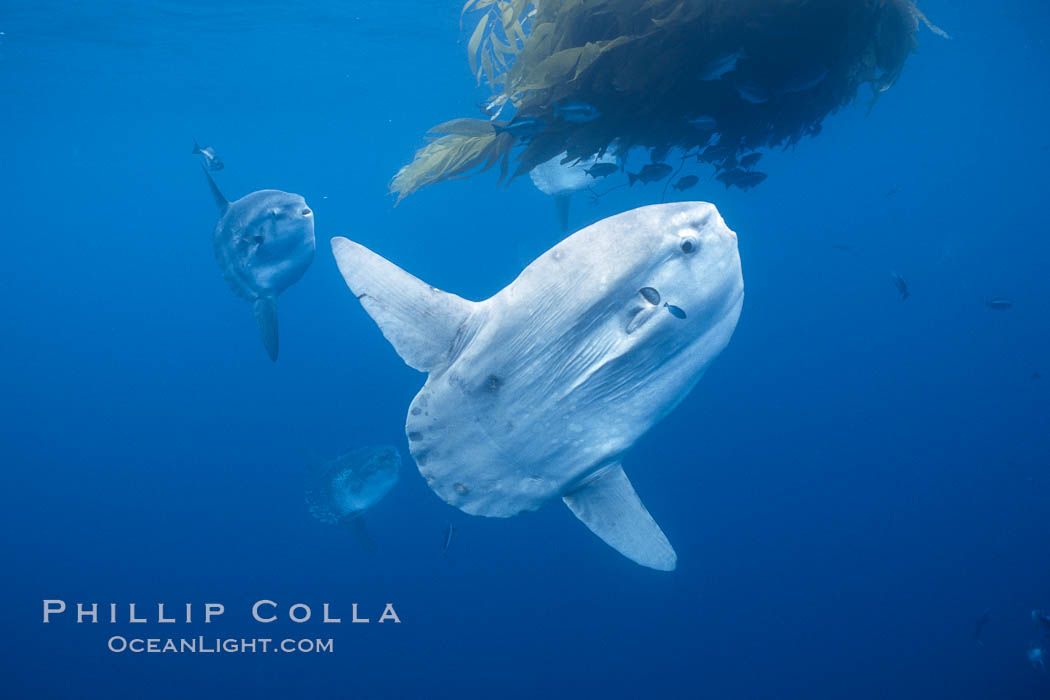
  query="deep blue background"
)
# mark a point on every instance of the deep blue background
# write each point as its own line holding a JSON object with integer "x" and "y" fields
{"x": 851, "y": 486}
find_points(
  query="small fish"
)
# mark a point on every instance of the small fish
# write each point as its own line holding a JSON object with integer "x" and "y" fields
{"x": 999, "y": 304}
{"x": 982, "y": 621}
{"x": 718, "y": 152}
{"x": 750, "y": 160}
{"x": 893, "y": 190}
{"x": 901, "y": 285}
{"x": 650, "y": 295}
{"x": 685, "y": 183}
{"x": 602, "y": 169}
{"x": 675, "y": 311}
{"x": 703, "y": 123}
{"x": 650, "y": 173}
{"x": 213, "y": 161}
{"x": 752, "y": 93}
{"x": 576, "y": 112}
{"x": 449, "y": 531}
{"x": 717, "y": 68}
{"x": 521, "y": 128}
{"x": 1041, "y": 618}
{"x": 805, "y": 80}
{"x": 752, "y": 178}
{"x": 744, "y": 179}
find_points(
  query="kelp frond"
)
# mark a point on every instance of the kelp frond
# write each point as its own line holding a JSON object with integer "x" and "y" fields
{"x": 467, "y": 145}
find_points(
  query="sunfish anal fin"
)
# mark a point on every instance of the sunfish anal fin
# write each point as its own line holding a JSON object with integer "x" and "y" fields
{"x": 356, "y": 526}
{"x": 561, "y": 206}
{"x": 421, "y": 322}
{"x": 265, "y": 309}
{"x": 612, "y": 510}
{"x": 220, "y": 201}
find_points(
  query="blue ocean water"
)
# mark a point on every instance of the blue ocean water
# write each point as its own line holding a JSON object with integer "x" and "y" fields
{"x": 851, "y": 487}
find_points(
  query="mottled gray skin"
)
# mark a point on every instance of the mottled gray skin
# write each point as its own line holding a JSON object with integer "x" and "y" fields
{"x": 538, "y": 392}
{"x": 263, "y": 242}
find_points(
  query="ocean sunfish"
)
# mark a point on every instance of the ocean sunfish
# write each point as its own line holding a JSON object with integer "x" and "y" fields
{"x": 263, "y": 243}
{"x": 538, "y": 392}
{"x": 341, "y": 490}
{"x": 560, "y": 180}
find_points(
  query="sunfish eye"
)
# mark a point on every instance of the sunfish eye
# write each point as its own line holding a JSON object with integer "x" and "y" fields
{"x": 689, "y": 245}
{"x": 306, "y": 211}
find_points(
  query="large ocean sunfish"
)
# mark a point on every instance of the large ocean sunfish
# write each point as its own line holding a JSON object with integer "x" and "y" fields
{"x": 538, "y": 392}
{"x": 263, "y": 243}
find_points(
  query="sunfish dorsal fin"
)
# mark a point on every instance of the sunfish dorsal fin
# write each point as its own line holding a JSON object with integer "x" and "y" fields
{"x": 612, "y": 510}
{"x": 220, "y": 201}
{"x": 421, "y": 322}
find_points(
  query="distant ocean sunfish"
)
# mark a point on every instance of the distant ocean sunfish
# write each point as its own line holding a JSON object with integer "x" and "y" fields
{"x": 263, "y": 242}
{"x": 341, "y": 490}
{"x": 539, "y": 392}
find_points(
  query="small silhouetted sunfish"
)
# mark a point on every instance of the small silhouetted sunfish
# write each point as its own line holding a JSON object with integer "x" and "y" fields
{"x": 576, "y": 112}
{"x": 675, "y": 311}
{"x": 211, "y": 158}
{"x": 999, "y": 304}
{"x": 263, "y": 242}
{"x": 602, "y": 169}
{"x": 901, "y": 285}
{"x": 650, "y": 173}
{"x": 685, "y": 183}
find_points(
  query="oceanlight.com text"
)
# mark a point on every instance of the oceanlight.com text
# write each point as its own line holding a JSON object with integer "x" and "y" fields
{"x": 217, "y": 645}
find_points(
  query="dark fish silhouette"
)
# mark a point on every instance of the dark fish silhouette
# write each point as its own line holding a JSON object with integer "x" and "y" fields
{"x": 650, "y": 173}
{"x": 704, "y": 123}
{"x": 675, "y": 311}
{"x": 750, "y": 160}
{"x": 982, "y": 622}
{"x": 576, "y": 112}
{"x": 901, "y": 285}
{"x": 602, "y": 169}
{"x": 744, "y": 179}
{"x": 521, "y": 128}
{"x": 685, "y": 183}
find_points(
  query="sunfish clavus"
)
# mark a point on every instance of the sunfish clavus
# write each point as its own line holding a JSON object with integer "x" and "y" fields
{"x": 263, "y": 243}
{"x": 538, "y": 392}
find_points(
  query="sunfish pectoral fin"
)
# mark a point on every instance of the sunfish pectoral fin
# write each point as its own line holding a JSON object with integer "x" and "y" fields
{"x": 265, "y": 309}
{"x": 561, "y": 206}
{"x": 612, "y": 510}
{"x": 421, "y": 322}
